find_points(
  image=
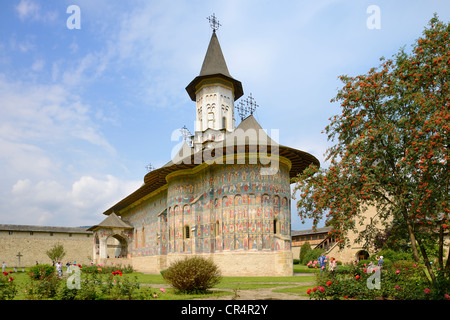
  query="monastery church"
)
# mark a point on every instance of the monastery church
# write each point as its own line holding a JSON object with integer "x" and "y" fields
{"x": 225, "y": 196}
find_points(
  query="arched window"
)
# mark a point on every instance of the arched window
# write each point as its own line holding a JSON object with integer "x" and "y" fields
{"x": 217, "y": 228}
{"x": 276, "y": 226}
{"x": 187, "y": 232}
{"x": 224, "y": 122}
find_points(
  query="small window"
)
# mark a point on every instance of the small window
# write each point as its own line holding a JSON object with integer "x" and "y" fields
{"x": 10, "y": 233}
{"x": 275, "y": 226}
{"x": 187, "y": 232}
{"x": 217, "y": 228}
{"x": 51, "y": 234}
{"x": 31, "y": 233}
{"x": 224, "y": 122}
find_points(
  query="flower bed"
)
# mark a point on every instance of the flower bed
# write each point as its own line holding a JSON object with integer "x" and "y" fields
{"x": 404, "y": 280}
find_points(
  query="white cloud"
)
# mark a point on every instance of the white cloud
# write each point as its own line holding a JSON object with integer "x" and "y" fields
{"x": 28, "y": 9}
{"x": 83, "y": 201}
{"x": 46, "y": 113}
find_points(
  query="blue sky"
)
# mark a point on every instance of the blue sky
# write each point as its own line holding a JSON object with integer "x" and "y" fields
{"x": 84, "y": 111}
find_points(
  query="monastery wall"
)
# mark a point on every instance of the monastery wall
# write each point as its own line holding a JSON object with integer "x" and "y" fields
{"x": 78, "y": 247}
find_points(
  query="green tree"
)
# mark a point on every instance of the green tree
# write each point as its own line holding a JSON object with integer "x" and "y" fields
{"x": 304, "y": 249}
{"x": 392, "y": 150}
{"x": 56, "y": 253}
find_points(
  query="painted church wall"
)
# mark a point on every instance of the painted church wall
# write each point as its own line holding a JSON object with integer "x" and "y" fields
{"x": 221, "y": 208}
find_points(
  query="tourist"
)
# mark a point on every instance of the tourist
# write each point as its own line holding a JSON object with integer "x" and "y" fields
{"x": 380, "y": 261}
{"x": 3, "y": 266}
{"x": 322, "y": 262}
{"x": 59, "y": 268}
{"x": 333, "y": 265}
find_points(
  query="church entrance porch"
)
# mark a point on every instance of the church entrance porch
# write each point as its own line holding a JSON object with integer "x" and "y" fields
{"x": 116, "y": 247}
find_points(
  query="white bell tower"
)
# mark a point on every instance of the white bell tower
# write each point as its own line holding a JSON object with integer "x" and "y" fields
{"x": 214, "y": 92}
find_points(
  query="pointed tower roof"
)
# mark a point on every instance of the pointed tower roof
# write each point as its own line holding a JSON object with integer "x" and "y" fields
{"x": 112, "y": 221}
{"x": 214, "y": 62}
{"x": 214, "y": 66}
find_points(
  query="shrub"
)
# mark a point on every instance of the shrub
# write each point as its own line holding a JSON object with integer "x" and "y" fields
{"x": 312, "y": 255}
{"x": 43, "y": 283}
{"x": 41, "y": 271}
{"x": 193, "y": 275}
{"x": 8, "y": 288}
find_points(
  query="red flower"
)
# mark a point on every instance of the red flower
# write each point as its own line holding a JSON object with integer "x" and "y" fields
{"x": 5, "y": 273}
{"x": 308, "y": 291}
{"x": 314, "y": 289}
{"x": 321, "y": 289}
{"x": 357, "y": 277}
{"x": 329, "y": 283}
{"x": 447, "y": 296}
{"x": 427, "y": 291}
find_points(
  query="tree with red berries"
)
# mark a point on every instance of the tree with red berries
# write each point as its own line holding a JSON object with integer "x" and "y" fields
{"x": 391, "y": 150}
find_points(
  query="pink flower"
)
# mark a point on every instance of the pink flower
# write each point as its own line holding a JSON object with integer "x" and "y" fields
{"x": 447, "y": 296}
{"x": 398, "y": 287}
{"x": 398, "y": 271}
{"x": 162, "y": 290}
{"x": 427, "y": 291}
{"x": 321, "y": 289}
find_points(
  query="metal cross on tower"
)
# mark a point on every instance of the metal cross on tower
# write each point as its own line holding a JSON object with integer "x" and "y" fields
{"x": 187, "y": 135}
{"x": 213, "y": 22}
{"x": 150, "y": 167}
{"x": 246, "y": 107}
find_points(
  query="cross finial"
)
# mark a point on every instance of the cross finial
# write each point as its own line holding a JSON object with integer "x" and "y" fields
{"x": 187, "y": 135}
{"x": 246, "y": 107}
{"x": 213, "y": 22}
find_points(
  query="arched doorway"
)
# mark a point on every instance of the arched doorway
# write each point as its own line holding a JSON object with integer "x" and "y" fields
{"x": 116, "y": 246}
{"x": 362, "y": 255}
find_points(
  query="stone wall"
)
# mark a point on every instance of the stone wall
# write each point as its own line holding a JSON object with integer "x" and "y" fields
{"x": 243, "y": 263}
{"x": 33, "y": 247}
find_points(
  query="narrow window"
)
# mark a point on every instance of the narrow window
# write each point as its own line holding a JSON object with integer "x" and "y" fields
{"x": 187, "y": 234}
{"x": 217, "y": 228}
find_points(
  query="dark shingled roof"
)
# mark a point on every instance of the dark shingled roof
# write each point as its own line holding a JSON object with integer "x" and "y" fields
{"x": 310, "y": 231}
{"x": 112, "y": 221}
{"x": 214, "y": 65}
{"x": 28, "y": 228}
{"x": 155, "y": 179}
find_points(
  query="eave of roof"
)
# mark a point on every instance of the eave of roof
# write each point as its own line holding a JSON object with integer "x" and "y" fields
{"x": 31, "y": 228}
